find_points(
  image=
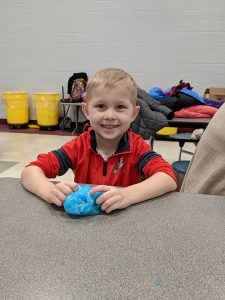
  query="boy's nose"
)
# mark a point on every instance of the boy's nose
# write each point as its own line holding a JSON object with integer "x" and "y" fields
{"x": 109, "y": 114}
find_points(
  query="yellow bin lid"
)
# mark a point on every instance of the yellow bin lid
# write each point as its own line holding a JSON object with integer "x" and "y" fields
{"x": 15, "y": 96}
{"x": 46, "y": 97}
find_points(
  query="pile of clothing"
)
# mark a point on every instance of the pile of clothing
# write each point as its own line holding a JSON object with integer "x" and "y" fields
{"x": 158, "y": 106}
{"x": 185, "y": 102}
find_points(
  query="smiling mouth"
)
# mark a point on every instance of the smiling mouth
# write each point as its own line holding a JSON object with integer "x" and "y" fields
{"x": 109, "y": 126}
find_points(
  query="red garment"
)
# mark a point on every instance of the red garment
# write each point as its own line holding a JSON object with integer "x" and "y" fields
{"x": 196, "y": 111}
{"x": 133, "y": 161}
{"x": 176, "y": 89}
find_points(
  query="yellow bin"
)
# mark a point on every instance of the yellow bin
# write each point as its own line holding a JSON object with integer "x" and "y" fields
{"x": 47, "y": 109}
{"x": 167, "y": 131}
{"x": 17, "y": 106}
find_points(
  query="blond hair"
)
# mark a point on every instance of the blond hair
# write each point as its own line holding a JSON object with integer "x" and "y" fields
{"x": 110, "y": 78}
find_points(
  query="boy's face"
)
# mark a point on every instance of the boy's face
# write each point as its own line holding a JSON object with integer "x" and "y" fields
{"x": 110, "y": 112}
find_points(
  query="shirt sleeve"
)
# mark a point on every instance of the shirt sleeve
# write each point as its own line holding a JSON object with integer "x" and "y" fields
{"x": 57, "y": 162}
{"x": 158, "y": 164}
{"x": 48, "y": 163}
{"x": 151, "y": 162}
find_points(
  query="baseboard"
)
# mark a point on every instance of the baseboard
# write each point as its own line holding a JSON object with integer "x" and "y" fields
{"x": 4, "y": 121}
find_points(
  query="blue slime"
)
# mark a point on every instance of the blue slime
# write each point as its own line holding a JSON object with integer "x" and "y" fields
{"x": 81, "y": 203}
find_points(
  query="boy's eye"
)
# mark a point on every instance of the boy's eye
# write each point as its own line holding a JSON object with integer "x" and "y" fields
{"x": 100, "y": 106}
{"x": 120, "y": 106}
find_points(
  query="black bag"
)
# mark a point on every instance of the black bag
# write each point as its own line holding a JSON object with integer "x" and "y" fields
{"x": 65, "y": 124}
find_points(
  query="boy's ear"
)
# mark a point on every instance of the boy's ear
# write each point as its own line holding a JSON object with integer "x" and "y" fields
{"x": 135, "y": 112}
{"x": 85, "y": 110}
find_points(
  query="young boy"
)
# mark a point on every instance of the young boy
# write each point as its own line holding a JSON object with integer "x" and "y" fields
{"x": 109, "y": 155}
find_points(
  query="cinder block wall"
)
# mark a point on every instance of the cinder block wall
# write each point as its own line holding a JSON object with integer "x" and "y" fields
{"x": 159, "y": 42}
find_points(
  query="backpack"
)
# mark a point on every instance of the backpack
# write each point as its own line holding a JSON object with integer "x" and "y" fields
{"x": 77, "y": 86}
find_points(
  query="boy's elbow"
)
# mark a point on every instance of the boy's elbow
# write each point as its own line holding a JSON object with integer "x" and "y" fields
{"x": 24, "y": 175}
{"x": 173, "y": 184}
{"x": 27, "y": 174}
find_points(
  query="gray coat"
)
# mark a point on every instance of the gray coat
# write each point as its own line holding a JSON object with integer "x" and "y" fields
{"x": 153, "y": 116}
{"x": 205, "y": 174}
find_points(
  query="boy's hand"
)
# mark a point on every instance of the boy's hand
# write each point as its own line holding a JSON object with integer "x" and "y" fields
{"x": 59, "y": 192}
{"x": 113, "y": 198}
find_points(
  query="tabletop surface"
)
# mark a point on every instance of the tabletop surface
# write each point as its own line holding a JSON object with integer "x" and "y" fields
{"x": 193, "y": 122}
{"x": 172, "y": 247}
{"x": 71, "y": 103}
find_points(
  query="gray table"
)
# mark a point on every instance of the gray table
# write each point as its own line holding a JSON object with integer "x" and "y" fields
{"x": 169, "y": 248}
{"x": 189, "y": 122}
{"x": 194, "y": 123}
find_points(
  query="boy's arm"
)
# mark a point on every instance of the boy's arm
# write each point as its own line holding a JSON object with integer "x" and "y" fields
{"x": 35, "y": 181}
{"x": 119, "y": 198}
{"x": 154, "y": 186}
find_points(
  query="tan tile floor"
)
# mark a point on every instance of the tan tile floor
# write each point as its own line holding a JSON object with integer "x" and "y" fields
{"x": 23, "y": 148}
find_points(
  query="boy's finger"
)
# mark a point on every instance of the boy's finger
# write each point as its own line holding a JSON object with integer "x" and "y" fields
{"x": 111, "y": 208}
{"x": 66, "y": 190}
{"x": 72, "y": 185}
{"x": 61, "y": 195}
{"x": 68, "y": 187}
{"x": 57, "y": 202}
{"x": 100, "y": 200}
{"x": 105, "y": 205}
{"x": 105, "y": 197}
{"x": 99, "y": 188}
